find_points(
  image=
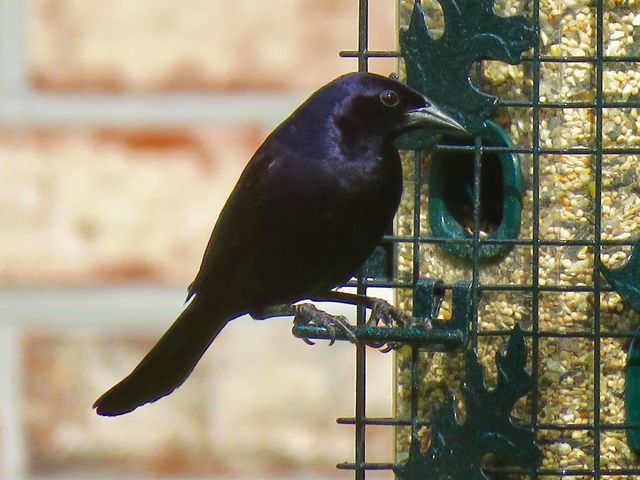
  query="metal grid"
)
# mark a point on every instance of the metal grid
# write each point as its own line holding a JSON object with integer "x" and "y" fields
{"x": 361, "y": 465}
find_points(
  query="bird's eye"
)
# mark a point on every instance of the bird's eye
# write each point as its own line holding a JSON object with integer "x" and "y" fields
{"x": 389, "y": 98}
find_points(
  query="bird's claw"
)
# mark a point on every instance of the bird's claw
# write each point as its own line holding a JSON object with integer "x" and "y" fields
{"x": 385, "y": 313}
{"x": 308, "y": 314}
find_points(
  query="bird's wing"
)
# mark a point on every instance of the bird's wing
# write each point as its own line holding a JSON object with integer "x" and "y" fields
{"x": 237, "y": 227}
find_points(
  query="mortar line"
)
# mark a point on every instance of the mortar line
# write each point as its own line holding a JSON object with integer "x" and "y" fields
{"x": 13, "y": 47}
{"x": 11, "y": 434}
{"x": 170, "y": 110}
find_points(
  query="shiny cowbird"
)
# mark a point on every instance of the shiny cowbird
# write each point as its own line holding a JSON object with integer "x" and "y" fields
{"x": 309, "y": 208}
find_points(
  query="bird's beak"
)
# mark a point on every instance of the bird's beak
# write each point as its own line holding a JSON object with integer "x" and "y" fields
{"x": 431, "y": 116}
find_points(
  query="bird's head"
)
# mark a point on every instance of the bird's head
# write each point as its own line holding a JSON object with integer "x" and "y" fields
{"x": 387, "y": 107}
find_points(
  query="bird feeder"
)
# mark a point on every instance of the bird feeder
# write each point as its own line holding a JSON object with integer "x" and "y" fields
{"x": 570, "y": 113}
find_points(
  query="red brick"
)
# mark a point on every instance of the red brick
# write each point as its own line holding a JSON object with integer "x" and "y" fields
{"x": 64, "y": 372}
{"x": 177, "y": 45}
{"x": 260, "y": 403}
{"x": 106, "y": 206}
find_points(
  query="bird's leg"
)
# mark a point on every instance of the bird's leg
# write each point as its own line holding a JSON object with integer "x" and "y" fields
{"x": 281, "y": 310}
{"x": 308, "y": 314}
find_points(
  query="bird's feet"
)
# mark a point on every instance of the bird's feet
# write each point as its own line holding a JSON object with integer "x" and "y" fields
{"x": 385, "y": 313}
{"x": 308, "y": 314}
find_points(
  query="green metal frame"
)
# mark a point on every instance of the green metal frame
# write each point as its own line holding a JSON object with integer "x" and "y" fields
{"x": 442, "y": 179}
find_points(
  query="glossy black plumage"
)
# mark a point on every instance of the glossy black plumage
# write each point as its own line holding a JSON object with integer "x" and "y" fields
{"x": 309, "y": 208}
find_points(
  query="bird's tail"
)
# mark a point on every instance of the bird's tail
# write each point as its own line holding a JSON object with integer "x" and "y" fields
{"x": 169, "y": 362}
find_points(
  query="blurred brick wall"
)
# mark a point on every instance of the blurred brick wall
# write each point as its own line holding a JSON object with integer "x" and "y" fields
{"x": 96, "y": 206}
{"x": 194, "y": 45}
{"x": 123, "y": 129}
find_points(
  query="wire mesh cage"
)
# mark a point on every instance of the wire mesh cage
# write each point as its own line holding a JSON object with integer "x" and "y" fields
{"x": 571, "y": 109}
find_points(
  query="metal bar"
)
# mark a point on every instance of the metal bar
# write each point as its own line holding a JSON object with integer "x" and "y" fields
{"x": 415, "y": 336}
{"x": 592, "y": 472}
{"x": 363, "y": 35}
{"x": 415, "y": 238}
{"x": 535, "y": 262}
{"x": 497, "y": 287}
{"x": 522, "y": 242}
{"x": 525, "y": 58}
{"x": 581, "y": 104}
{"x": 543, "y": 151}
{"x": 361, "y": 389}
{"x": 475, "y": 252}
{"x": 597, "y": 236}
{"x": 387, "y": 421}
{"x": 361, "y": 354}
{"x": 526, "y": 287}
{"x": 415, "y": 274}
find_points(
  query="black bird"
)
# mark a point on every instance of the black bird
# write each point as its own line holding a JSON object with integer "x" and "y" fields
{"x": 309, "y": 208}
